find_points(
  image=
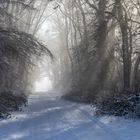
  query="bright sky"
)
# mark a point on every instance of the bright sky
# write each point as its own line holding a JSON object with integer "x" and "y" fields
{"x": 42, "y": 85}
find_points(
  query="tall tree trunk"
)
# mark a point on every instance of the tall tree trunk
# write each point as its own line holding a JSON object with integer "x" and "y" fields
{"x": 123, "y": 22}
{"x": 136, "y": 75}
{"x": 101, "y": 45}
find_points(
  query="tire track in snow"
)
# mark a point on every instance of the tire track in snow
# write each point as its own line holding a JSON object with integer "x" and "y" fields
{"x": 71, "y": 130}
{"x": 49, "y": 111}
{"x": 100, "y": 124}
{"x": 94, "y": 121}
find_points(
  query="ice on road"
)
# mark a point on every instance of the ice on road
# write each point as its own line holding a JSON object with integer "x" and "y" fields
{"x": 47, "y": 117}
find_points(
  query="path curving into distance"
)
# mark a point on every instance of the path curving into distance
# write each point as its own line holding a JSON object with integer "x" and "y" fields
{"x": 48, "y": 117}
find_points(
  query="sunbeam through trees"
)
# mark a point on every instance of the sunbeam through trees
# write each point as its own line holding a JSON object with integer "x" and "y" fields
{"x": 85, "y": 51}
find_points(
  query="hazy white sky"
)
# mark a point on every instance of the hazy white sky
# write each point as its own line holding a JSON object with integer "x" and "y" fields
{"x": 43, "y": 84}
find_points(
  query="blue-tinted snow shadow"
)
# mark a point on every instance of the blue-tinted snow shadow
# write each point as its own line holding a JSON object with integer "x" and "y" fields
{"x": 51, "y": 119}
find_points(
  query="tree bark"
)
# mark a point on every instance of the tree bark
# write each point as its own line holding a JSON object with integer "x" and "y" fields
{"x": 123, "y": 23}
{"x": 136, "y": 75}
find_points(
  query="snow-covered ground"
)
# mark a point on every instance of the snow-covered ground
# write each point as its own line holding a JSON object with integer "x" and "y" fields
{"x": 50, "y": 118}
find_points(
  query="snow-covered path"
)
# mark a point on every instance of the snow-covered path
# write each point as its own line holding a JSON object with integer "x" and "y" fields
{"x": 50, "y": 118}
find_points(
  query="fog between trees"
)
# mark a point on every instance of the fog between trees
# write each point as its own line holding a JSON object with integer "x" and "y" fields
{"x": 94, "y": 44}
{"x": 99, "y": 52}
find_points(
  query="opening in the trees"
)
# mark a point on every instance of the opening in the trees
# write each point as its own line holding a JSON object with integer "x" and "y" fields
{"x": 83, "y": 51}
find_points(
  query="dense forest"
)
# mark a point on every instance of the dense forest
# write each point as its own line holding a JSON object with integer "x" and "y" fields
{"x": 101, "y": 39}
{"x": 19, "y": 50}
{"x": 95, "y": 51}
{"x": 101, "y": 52}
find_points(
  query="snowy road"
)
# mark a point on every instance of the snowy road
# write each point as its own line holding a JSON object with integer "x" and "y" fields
{"x": 50, "y": 118}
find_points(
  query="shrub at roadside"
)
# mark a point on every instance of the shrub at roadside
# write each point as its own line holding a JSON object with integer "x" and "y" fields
{"x": 125, "y": 105}
{"x": 11, "y": 102}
